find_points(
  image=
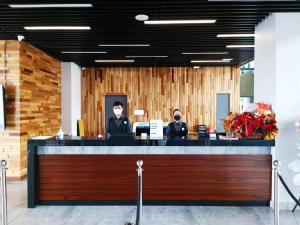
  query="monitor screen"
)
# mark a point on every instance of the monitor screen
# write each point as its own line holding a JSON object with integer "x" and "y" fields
{"x": 2, "y": 108}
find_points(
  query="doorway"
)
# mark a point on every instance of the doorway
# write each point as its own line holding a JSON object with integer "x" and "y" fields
{"x": 223, "y": 108}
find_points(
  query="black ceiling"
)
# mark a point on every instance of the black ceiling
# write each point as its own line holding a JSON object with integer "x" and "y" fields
{"x": 113, "y": 22}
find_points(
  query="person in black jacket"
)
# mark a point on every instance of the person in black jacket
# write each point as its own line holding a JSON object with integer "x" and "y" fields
{"x": 118, "y": 125}
{"x": 177, "y": 128}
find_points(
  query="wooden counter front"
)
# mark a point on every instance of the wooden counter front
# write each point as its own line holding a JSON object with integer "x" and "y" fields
{"x": 193, "y": 171}
{"x": 228, "y": 178}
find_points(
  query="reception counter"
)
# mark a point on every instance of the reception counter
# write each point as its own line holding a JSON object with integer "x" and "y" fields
{"x": 192, "y": 171}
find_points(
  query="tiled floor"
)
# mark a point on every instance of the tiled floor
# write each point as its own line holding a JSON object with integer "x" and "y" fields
{"x": 19, "y": 214}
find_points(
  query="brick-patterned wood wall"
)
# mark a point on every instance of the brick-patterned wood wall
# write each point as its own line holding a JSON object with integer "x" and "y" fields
{"x": 10, "y": 76}
{"x": 34, "y": 100}
{"x": 158, "y": 90}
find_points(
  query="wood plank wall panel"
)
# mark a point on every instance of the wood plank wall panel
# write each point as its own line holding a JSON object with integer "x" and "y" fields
{"x": 40, "y": 96}
{"x": 158, "y": 90}
{"x": 165, "y": 177}
{"x": 33, "y": 88}
{"x": 10, "y": 78}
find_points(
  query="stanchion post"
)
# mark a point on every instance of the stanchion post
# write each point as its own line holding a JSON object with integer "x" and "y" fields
{"x": 276, "y": 164}
{"x": 4, "y": 192}
{"x": 139, "y": 218}
{"x": 139, "y": 211}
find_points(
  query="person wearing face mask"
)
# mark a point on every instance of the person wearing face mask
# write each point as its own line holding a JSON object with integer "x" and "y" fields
{"x": 177, "y": 128}
{"x": 118, "y": 125}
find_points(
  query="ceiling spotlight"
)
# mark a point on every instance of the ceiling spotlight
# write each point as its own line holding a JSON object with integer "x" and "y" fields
{"x": 204, "y": 53}
{"x": 25, "y": 6}
{"x": 210, "y": 61}
{"x": 57, "y": 28}
{"x": 141, "y": 17}
{"x": 124, "y": 45}
{"x": 234, "y": 35}
{"x": 240, "y": 46}
{"x": 83, "y": 52}
{"x": 146, "y": 56}
{"x": 21, "y": 37}
{"x": 163, "y": 22}
{"x": 114, "y": 61}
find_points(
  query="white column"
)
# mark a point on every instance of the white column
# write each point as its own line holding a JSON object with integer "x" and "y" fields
{"x": 277, "y": 80}
{"x": 71, "y": 97}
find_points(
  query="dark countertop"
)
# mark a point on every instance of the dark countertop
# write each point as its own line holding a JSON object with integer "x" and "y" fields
{"x": 191, "y": 140}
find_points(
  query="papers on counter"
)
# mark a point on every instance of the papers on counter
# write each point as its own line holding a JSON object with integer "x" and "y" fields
{"x": 41, "y": 137}
{"x": 156, "y": 129}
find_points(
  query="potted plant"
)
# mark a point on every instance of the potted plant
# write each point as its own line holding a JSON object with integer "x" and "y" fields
{"x": 256, "y": 122}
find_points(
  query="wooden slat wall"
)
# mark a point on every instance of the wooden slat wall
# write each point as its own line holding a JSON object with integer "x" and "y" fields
{"x": 33, "y": 86}
{"x": 158, "y": 90}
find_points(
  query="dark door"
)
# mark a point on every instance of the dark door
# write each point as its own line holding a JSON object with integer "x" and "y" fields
{"x": 109, "y": 100}
{"x": 223, "y": 107}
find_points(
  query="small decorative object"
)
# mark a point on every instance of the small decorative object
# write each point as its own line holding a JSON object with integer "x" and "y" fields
{"x": 227, "y": 124}
{"x": 60, "y": 134}
{"x": 256, "y": 122}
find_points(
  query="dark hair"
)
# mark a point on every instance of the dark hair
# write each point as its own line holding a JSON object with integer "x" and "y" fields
{"x": 175, "y": 110}
{"x": 118, "y": 103}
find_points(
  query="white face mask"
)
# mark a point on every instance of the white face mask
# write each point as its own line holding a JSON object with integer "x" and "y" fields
{"x": 118, "y": 112}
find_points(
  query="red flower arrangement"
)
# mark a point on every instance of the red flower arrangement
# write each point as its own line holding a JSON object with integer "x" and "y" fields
{"x": 259, "y": 123}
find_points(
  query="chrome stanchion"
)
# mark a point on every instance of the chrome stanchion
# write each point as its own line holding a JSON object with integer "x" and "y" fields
{"x": 4, "y": 192}
{"x": 276, "y": 164}
{"x": 139, "y": 213}
{"x": 139, "y": 210}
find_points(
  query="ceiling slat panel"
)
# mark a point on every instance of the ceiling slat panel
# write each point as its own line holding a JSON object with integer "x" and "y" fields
{"x": 112, "y": 22}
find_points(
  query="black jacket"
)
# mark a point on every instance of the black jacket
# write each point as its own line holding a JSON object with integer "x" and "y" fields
{"x": 112, "y": 129}
{"x": 172, "y": 132}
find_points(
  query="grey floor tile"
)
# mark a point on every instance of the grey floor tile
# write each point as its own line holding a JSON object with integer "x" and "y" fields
{"x": 19, "y": 214}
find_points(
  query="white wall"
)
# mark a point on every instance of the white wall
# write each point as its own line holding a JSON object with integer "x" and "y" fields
{"x": 76, "y": 97}
{"x": 277, "y": 80}
{"x": 65, "y": 97}
{"x": 264, "y": 61}
{"x": 71, "y": 97}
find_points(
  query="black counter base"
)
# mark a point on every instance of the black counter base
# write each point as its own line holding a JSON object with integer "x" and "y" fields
{"x": 154, "y": 203}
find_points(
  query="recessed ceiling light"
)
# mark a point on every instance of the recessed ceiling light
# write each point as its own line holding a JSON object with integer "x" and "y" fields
{"x": 141, "y": 17}
{"x": 234, "y": 35}
{"x": 196, "y": 67}
{"x": 124, "y": 45}
{"x": 58, "y": 28}
{"x": 146, "y": 56}
{"x": 114, "y": 61}
{"x": 240, "y": 46}
{"x": 83, "y": 52}
{"x": 154, "y": 22}
{"x": 204, "y": 53}
{"x": 50, "y": 5}
{"x": 210, "y": 61}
